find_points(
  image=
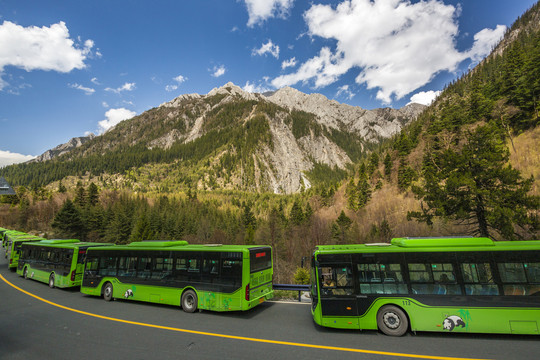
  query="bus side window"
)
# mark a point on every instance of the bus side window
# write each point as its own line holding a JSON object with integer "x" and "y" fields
{"x": 91, "y": 268}
{"x": 520, "y": 278}
{"x": 478, "y": 279}
{"x": 144, "y": 268}
{"x": 107, "y": 266}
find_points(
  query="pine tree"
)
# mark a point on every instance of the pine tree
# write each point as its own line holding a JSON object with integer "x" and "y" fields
{"x": 474, "y": 185}
{"x": 341, "y": 227}
{"x": 80, "y": 195}
{"x": 296, "y": 215}
{"x": 388, "y": 165}
{"x": 61, "y": 187}
{"x": 93, "y": 194}
{"x": 68, "y": 222}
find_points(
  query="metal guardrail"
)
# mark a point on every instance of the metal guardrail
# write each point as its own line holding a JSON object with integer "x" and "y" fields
{"x": 292, "y": 287}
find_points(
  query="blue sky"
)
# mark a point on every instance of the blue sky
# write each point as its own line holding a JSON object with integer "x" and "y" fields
{"x": 72, "y": 67}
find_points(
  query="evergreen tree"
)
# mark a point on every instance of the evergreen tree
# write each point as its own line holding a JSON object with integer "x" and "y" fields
{"x": 474, "y": 185}
{"x": 250, "y": 224}
{"x": 93, "y": 194}
{"x": 61, "y": 187}
{"x": 340, "y": 228}
{"x": 68, "y": 222}
{"x": 80, "y": 195}
{"x": 406, "y": 175}
{"x": 142, "y": 230}
{"x": 373, "y": 163}
{"x": 387, "y": 165}
{"x": 296, "y": 215}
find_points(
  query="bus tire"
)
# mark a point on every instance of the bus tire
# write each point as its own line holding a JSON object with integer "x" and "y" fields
{"x": 392, "y": 321}
{"x": 189, "y": 301}
{"x": 107, "y": 291}
{"x": 25, "y": 273}
{"x": 51, "y": 281}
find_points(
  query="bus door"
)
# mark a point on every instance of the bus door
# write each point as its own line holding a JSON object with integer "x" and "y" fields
{"x": 337, "y": 290}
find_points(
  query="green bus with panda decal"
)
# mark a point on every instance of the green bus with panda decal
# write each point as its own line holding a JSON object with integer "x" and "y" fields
{"x": 208, "y": 277}
{"x": 453, "y": 284}
{"x": 58, "y": 262}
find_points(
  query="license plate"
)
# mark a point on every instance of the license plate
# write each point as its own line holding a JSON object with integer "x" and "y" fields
{"x": 261, "y": 300}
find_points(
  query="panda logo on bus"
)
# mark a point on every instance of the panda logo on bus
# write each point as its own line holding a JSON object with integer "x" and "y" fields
{"x": 452, "y": 321}
{"x": 128, "y": 294}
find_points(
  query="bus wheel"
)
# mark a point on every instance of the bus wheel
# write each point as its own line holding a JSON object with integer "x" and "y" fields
{"x": 51, "y": 281}
{"x": 189, "y": 301}
{"x": 25, "y": 273}
{"x": 391, "y": 320}
{"x": 108, "y": 292}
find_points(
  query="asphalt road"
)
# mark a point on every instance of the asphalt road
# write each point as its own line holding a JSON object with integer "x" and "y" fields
{"x": 37, "y": 322}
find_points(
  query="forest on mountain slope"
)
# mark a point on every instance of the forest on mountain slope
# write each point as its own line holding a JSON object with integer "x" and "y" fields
{"x": 468, "y": 165}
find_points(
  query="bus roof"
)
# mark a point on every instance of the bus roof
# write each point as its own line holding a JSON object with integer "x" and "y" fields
{"x": 179, "y": 245}
{"x": 65, "y": 243}
{"x": 435, "y": 244}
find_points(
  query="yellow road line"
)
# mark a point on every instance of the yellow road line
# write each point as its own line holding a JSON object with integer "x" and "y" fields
{"x": 277, "y": 342}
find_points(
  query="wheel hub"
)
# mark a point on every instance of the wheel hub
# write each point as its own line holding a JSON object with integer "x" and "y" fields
{"x": 391, "y": 320}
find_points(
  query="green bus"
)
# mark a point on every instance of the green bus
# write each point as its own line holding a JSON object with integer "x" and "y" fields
{"x": 5, "y": 238}
{"x": 14, "y": 243}
{"x": 457, "y": 284}
{"x": 207, "y": 277}
{"x": 58, "y": 262}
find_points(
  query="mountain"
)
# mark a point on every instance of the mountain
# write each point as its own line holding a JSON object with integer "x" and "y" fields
{"x": 63, "y": 148}
{"x": 281, "y": 142}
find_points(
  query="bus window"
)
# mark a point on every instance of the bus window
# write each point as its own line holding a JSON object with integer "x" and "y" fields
{"x": 478, "y": 279}
{"x": 231, "y": 268}
{"x": 107, "y": 266}
{"x": 436, "y": 279}
{"x": 533, "y": 275}
{"x": 144, "y": 267}
{"x": 260, "y": 259}
{"x": 514, "y": 277}
{"x": 187, "y": 266}
{"x": 162, "y": 268}
{"x": 127, "y": 266}
{"x": 533, "y": 272}
{"x": 381, "y": 279}
{"x": 194, "y": 265}
{"x": 336, "y": 280}
{"x": 91, "y": 268}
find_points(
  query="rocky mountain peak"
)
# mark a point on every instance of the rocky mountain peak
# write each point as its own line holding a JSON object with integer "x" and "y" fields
{"x": 63, "y": 148}
{"x": 231, "y": 89}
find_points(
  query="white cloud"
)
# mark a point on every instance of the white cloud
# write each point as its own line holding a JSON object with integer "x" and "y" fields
{"x": 87, "y": 90}
{"x": 260, "y": 10}
{"x": 218, "y": 71}
{"x": 125, "y": 87}
{"x": 9, "y": 158}
{"x": 485, "y": 41}
{"x": 396, "y": 45}
{"x": 253, "y": 88}
{"x": 269, "y": 47}
{"x": 95, "y": 81}
{"x": 180, "y": 79}
{"x": 46, "y": 48}
{"x": 113, "y": 117}
{"x": 104, "y": 104}
{"x": 344, "y": 90}
{"x": 424, "y": 97}
{"x": 289, "y": 63}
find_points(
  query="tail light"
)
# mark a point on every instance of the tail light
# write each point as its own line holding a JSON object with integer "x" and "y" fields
{"x": 73, "y": 275}
{"x": 247, "y": 292}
